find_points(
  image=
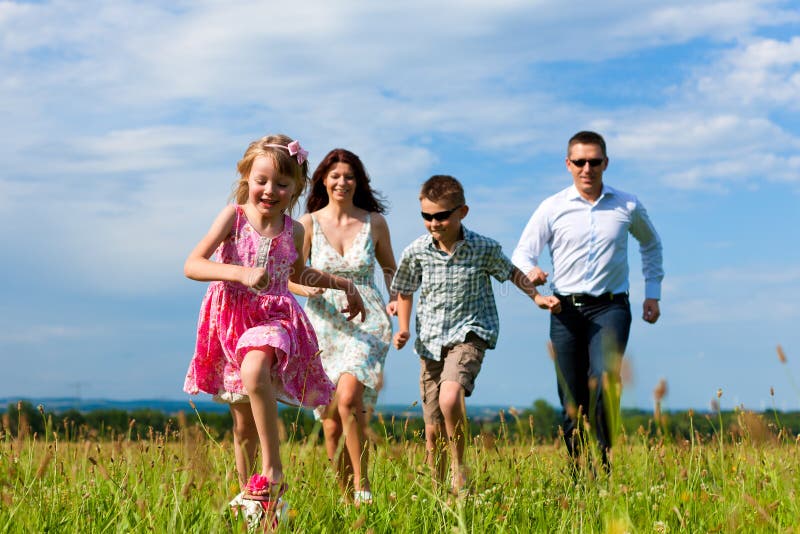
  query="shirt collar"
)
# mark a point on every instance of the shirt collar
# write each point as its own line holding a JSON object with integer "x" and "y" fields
{"x": 467, "y": 237}
{"x": 574, "y": 194}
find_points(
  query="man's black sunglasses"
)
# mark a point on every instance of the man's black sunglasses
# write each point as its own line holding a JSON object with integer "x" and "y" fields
{"x": 439, "y": 215}
{"x": 595, "y": 162}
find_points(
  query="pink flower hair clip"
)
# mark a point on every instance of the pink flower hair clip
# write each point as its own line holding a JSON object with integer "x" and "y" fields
{"x": 294, "y": 149}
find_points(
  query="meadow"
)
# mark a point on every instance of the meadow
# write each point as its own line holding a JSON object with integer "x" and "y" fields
{"x": 741, "y": 478}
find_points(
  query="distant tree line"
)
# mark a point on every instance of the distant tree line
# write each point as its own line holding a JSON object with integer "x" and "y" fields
{"x": 539, "y": 422}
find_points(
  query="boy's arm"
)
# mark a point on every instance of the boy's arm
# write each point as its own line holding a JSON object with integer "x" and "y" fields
{"x": 404, "y": 304}
{"x": 528, "y": 287}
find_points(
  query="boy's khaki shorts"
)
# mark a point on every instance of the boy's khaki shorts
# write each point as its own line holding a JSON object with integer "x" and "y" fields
{"x": 460, "y": 363}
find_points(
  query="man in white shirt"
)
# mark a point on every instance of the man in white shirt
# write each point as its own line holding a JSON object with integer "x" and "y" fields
{"x": 585, "y": 227}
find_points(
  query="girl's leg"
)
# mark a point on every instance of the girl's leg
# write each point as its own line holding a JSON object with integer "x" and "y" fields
{"x": 332, "y": 426}
{"x": 349, "y": 398}
{"x": 245, "y": 440}
{"x": 257, "y": 380}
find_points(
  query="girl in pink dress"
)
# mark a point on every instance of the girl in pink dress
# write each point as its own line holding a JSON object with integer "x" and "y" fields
{"x": 255, "y": 344}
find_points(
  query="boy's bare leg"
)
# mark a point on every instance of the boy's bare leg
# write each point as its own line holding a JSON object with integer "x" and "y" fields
{"x": 451, "y": 402}
{"x": 435, "y": 452}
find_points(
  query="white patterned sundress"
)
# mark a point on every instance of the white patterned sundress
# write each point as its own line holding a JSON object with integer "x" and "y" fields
{"x": 354, "y": 347}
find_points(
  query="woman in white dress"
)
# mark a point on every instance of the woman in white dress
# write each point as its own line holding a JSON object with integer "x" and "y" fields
{"x": 345, "y": 233}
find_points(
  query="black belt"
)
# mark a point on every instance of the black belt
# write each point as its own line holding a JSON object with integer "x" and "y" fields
{"x": 584, "y": 299}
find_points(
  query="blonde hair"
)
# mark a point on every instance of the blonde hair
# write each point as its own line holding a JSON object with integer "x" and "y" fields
{"x": 285, "y": 164}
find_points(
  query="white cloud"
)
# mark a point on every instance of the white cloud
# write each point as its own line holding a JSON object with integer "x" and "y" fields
{"x": 762, "y": 73}
{"x": 45, "y": 333}
{"x": 141, "y": 150}
{"x": 717, "y": 132}
{"x": 744, "y": 295}
{"x": 682, "y": 21}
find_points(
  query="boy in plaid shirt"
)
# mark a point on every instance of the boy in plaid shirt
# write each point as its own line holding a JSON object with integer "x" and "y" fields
{"x": 456, "y": 319}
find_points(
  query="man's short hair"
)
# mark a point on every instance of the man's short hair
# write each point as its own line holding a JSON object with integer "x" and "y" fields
{"x": 587, "y": 138}
{"x": 443, "y": 187}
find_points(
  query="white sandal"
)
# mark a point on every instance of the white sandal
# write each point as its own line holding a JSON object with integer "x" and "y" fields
{"x": 362, "y": 497}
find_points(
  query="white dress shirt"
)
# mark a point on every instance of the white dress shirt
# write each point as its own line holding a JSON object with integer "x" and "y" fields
{"x": 589, "y": 242}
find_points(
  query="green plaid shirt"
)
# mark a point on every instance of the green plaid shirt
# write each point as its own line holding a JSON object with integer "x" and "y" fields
{"x": 456, "y": 295}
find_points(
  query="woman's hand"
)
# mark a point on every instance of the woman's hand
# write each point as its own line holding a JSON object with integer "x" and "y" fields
{"x": 391, "y": 307}
{"x": 355, "y": 306}
{"x": 401, "y": 338}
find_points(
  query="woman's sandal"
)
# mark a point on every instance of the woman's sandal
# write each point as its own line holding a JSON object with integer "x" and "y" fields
{"x": 362, "y": 497}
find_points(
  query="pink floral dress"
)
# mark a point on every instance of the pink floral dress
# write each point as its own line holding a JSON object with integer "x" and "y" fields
{"x": 235, "y": 319}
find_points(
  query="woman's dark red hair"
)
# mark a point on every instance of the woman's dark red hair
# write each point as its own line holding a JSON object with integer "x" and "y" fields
{"x": 364, "y": 197}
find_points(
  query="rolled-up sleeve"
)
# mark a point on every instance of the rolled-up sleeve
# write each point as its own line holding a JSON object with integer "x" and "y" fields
{"x": 534, "y": 238}
{"x": 498, "y": 265}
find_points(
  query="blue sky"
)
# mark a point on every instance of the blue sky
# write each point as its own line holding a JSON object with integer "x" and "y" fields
{"x": 122, "y": 123}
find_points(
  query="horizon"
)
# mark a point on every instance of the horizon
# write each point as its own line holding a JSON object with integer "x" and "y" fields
{"x": 206, "y": 405}
{"x": 123, "y": 123}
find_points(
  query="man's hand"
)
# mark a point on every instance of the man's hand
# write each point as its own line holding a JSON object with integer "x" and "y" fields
{"x": 650, "y": 311}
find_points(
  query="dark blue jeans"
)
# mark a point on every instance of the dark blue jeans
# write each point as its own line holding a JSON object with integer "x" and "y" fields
{"x": 588, "y": 341}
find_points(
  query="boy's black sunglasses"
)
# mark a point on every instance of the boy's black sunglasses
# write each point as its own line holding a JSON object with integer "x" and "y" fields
{"x": 592, "y": 162}
{"x": 439, "y": 215}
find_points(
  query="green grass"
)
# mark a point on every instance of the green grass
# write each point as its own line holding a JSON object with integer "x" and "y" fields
{"x": 744, "y": 480}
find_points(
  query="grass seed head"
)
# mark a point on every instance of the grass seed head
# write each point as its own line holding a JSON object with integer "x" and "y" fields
{"x": 660, "y": 391}
{"x": 42, "y": 469}
{"x": 182, "y": 423}
{"x": 781, "y": 354}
